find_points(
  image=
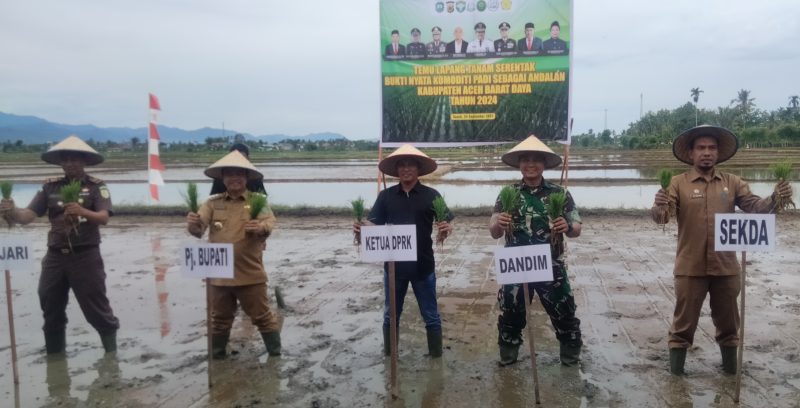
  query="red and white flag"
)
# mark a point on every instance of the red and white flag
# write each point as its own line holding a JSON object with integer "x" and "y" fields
{"x": 154, "y": 166}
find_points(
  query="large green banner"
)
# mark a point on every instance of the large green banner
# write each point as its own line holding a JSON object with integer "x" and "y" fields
{"x": 474, "y": 71}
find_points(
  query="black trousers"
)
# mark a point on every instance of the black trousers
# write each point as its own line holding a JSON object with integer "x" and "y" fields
{"x": 83, "y": 271}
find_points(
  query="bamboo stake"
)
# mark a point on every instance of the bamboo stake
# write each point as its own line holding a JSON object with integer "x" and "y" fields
{"x": 531, "y": 343}
{"x": 208, "y": 328}
{"x": 11, "y": 328}
{"x": 565, "y": 168}
{"x": 740, "y": 352}
{"x": 380, "y": 174}
{"x": 393, "y": 330}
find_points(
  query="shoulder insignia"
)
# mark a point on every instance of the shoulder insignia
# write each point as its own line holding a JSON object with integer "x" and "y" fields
{"x": 217, "y": 196}
{"x": 94, "y": 180}
{"x": 53, "y": 180}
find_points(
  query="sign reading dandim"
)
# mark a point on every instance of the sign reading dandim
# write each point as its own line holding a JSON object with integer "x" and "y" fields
{"x": 521, "y": 264}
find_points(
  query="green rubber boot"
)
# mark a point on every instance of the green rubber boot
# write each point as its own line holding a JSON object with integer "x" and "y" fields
{"x": 729, "y": 359}
{"x": 435, "y": 343}
{"x": 55, "y": 342}
{"x": 219, "y": 345}
{"x": 273, "y": 342}
{"x": 508, "y": 354}
{"x": 677, "y": 359}
{"x": 109, "y": 341}
{"x": 570, "y": 354}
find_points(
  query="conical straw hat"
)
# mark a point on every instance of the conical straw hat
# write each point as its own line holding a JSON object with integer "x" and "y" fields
{"x": 389, "y": 164}
{"x": 72, "y": 144}
{"x": 727, "y": 142}
{"x": 234, "y": 159}
{"x": 532, "y": 145}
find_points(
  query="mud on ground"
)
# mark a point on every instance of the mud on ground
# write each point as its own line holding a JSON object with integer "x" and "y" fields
{"x": 621, "y": 272}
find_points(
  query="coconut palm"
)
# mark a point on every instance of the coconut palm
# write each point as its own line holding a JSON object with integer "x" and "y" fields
{"x": 744, "y": 102}
{"x": 695, "y": 97}
{"x": 794, "y": 101}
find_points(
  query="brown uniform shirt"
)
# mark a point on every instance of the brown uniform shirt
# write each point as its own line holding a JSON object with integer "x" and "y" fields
{"x": 696, "y": 201}
{"x": 225, "y": 217}
{"x": 94, "y": 195}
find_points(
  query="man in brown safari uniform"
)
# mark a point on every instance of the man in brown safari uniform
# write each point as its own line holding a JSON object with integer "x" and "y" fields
{"x": 73, "y": 254}
{"x": 227, "y": 217}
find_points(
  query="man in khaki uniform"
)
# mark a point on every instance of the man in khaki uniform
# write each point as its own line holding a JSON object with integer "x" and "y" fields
{"x": 227, "y": 216}
{"x": 73, "y": 245}
{"x": 695, "y": 197}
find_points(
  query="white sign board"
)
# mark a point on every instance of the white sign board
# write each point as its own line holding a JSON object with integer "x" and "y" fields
{"x": 206, "y": 260}
{"x": 744, "y": 232}
{"x": 16, "y": 253}
{"x": 387, "y": 243}
{"x": 521, "y": 264}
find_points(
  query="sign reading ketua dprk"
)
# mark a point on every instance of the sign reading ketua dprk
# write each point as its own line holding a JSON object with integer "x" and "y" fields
{"x": 207, "y": 260}
{"x": 388, "y": 243}
{"x": 521, "y": 264}
{"x": 744, "y": 232}
{"x": 16, "y": 253}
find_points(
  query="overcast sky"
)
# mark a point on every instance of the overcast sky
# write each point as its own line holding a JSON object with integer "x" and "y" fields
{"x": 298, "y": 67}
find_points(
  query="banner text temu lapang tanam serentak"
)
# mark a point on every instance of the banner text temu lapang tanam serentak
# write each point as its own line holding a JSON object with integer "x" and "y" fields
{"x": 475, "y": 71}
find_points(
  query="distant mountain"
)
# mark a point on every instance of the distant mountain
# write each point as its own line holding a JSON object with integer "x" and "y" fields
{"x": 34, "y": 130}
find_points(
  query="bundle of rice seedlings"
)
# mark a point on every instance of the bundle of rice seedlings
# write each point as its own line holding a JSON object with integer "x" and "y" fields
{"x": 782, "y": 171}
{"x": 5, "y": 189}
{"x": 190, "y": 198}
{"x": 358, "y": 216}
{"x": 257, "y": 203}
{"x": 556, "y": 203}
{"x": 440, "y": 214}
{"x": 70, "y": 193}
{"x": 664, "y": 178}
{"x": 509, "y": 201}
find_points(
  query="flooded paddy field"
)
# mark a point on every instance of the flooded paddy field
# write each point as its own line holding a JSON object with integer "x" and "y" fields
{"x": 621, "y": 269}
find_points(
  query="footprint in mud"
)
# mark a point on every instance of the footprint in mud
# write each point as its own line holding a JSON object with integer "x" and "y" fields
{"x": 339, "y": 359}
{"x": 322, "y": 341}
{"x": 611, "y": 315}
{"x": 341, "y": 252}
{"x": 310, "y": 324}
{"x": 329, "y": 262}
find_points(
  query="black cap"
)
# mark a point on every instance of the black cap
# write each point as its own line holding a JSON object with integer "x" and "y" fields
{"x": 528, "y": 25}
{"x": 436, "y": 30}
{"x": 395, "y": 32}
{"x": 480, "y": 26}
{"x": 504, "y": 25}
{"x": 414, "y": 31}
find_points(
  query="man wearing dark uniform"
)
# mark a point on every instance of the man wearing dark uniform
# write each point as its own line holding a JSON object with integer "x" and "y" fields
{"x": 415, "y": 49}
{"x": 436, "y": 47}
{"x": 73, "y": 255}
{"x": 555, "y": 45}
{"x": 530, "y": 44}
{"x": 504, "y": 44}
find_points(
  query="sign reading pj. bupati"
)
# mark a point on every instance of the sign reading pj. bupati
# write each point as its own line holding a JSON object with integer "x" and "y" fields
{"x": 475, "y": 71}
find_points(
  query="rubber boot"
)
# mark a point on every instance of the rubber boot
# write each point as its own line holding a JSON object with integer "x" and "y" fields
{"x": 219, "y": 345}
{"x": 729, "y": 359}
{"x": 55, "y": 342}
{"x": 570, "y": 354}
{"x": 508, "y": 354}
{"x": 434, "y": 342}
{"x": 677, "y": 359}
{"x": 109, "y": 341}
{"x": 273, "y": 342}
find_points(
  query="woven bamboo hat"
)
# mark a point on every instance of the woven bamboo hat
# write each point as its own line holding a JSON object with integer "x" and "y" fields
{"x": 72, "y": 144}
{"x": 528, "y": 146}
{"x": 236, "y": 160}
{"x": 727, "y": 142}
{"x": 389, "y": 164}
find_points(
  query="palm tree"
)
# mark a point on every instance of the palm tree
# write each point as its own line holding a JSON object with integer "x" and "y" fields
{"x": 744, "y": 103}
{"x": 695, "y": 97}
{"x": 794, "y": 101}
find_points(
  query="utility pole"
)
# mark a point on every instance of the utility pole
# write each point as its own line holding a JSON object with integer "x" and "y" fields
{"x": 641, "y": 105}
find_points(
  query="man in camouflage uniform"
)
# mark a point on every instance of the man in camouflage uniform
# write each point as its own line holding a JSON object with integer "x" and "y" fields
{"x": 529, "y": 224}
{"x": 73, "y": 254}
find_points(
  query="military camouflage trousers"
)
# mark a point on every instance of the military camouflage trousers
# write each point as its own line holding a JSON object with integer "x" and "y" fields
{"x": 557, "y": 300}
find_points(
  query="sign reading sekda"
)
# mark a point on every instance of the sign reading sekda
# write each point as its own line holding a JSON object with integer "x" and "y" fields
{"x": 744, "y": 232}
{"x": 469, "y": 75}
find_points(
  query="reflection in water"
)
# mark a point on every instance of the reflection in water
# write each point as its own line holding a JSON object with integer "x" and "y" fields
{"x": 101, "y": 390}
{"x": 160, "y": 265}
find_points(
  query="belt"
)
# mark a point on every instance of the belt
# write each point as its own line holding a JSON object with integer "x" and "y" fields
{"x": 74, "y": 250}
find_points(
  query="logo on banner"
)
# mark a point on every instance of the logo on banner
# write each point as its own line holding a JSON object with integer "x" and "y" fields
{"x": 493, "y": 5}
{"x": 744, "y": 232}
{"x": 439, "y": 7}
{"x": 481, "y": 5}
{"x": 471, "y": 6}
{"x": 461, "y": 6}
{"x": 505, "y": 4}
{"x": 450, "y": 6}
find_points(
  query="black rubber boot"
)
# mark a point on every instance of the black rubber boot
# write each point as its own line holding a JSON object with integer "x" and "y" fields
{"x": 273, "y": 342}
{"x": 109, "y": 341}
{"x": 435, "y": 343}
{"x": 219, "y": 345}
{"x": 570, "y": 354}
{"x": 55, "y": 342}
{"x": 729, "y": 359}
{"x": 508, "y": 354}
{"x": 677, "y": 359}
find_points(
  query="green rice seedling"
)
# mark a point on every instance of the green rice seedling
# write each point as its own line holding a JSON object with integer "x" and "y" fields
{"x": 665, "y": 178}
{"x": 509, "y": 199}
{"x": 782, "y": 171}
{"x": 556, "y": 203}
{"x": 257, "y": 203}
{"x": 70, "y": 193}
{"x": 357, "y": 206}
{"x": 191, "y": 197}
{"x": 440, "y": 214}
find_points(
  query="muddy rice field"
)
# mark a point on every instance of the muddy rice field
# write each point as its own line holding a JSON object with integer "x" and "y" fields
{"x": 621, "y": 271}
